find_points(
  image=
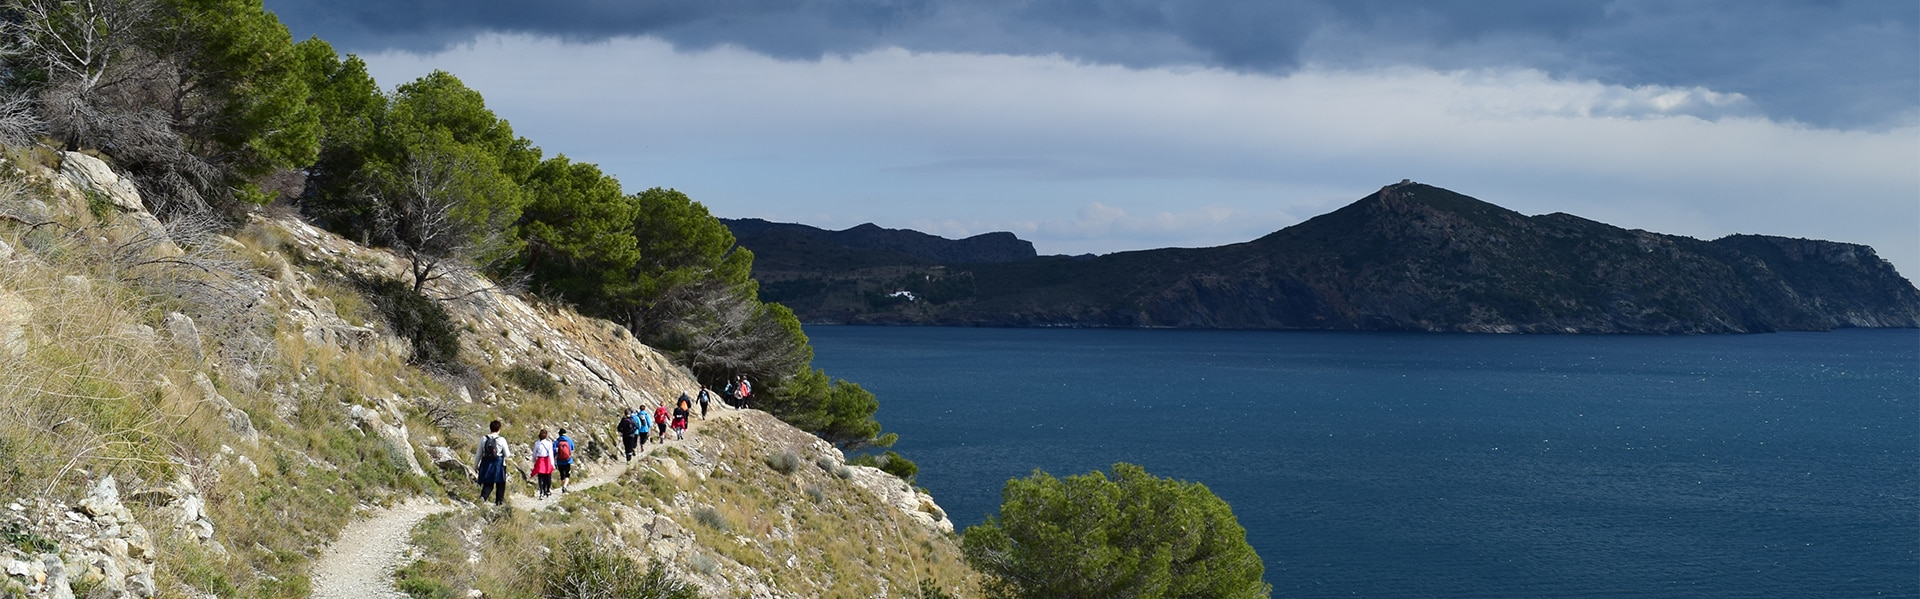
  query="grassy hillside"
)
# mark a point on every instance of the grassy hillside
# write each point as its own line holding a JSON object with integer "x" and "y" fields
{"x": 249, "y": 392}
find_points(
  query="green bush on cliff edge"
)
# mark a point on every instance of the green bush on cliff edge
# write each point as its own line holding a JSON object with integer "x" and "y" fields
{"x": 1134, "y": 535}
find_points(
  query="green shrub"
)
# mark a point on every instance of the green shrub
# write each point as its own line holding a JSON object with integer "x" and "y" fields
{"x": 931, "y": 590}
{"x": 532, "y": 380}
{"x": 703, "y": 564}
{"x": 20, "y": 538}
{"x": 785, "y": 462}
{"x": 815, "y": 493}
{"x": 427, "y": 577}
{"x": 581, "y": 569}
{"x": 418, "y": 581}
{"x": 98, "y": 203}
{"x": 712, "y": 518}
{"x": 891, "y": 462}
{"x": 423, "y": 322}
{"x": 1133, "y": 535}
{"x": 658, "y": 485}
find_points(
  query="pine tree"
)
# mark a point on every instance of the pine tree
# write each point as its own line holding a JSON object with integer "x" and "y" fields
{"x": 1134, "y": 536}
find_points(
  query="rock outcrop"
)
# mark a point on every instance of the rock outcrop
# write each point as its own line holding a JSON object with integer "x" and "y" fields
{"x": 96, "y": 544}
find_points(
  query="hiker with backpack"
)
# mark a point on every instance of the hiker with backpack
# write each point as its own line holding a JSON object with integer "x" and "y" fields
{"x": 492, "y": 464}
{"x": 543, "y": 463}
{"x": 680, "y": 414}
{"x": 645, "y": 424}
{"x": 705, "y": 396}
{"x": 660, "y": 421}
{"x": 563, "y": 459}
{"x": 745, "y": 391}
{"x": 629, "y": 428}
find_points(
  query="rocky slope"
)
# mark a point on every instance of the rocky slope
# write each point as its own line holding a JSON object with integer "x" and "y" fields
{"x": 219, "y": 404}
{"x": 1409, "y": 257}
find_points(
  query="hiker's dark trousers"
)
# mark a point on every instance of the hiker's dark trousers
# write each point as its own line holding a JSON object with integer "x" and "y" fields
{"x": 629, "y": 440}
{"x": 498, "y": 489}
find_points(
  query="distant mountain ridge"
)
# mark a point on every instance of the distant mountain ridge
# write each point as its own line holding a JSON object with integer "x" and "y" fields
{"x": 872, "y": 244}
{"x": 1409, "y": 257}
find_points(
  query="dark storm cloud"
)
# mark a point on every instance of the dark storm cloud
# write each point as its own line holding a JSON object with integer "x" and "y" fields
{"x": 1829, "y": 63}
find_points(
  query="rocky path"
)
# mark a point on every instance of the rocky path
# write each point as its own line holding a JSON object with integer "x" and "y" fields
{"x": 603, "y": 473}
{"x": 361, "y": 563}
{"x": 607, "y": 471}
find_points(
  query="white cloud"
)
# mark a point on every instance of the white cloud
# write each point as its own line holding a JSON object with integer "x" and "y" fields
{"x": 1087, "y": 157}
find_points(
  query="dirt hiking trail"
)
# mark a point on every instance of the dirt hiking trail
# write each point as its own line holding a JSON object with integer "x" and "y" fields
{"x": 362, "y": 562}
{"x": 360, "y": 565}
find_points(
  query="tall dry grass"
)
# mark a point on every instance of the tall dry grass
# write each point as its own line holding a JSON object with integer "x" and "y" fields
{"x": 84, "y": 381}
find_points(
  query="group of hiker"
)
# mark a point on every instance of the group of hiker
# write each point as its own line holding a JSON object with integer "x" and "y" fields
{"x": 551, "y": 455}
{"x": 555, "y": 455}
{"x": 638, "y": 424}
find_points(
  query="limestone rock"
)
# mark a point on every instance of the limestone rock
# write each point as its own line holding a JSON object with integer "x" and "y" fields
{"x": 185, "y": 334}
{"x": 103, "y": 503}
{"x": 902, "y": 496}
{"x": 141, "y": 585}
{"x": 664, "y": 528}
{"x": 181, "y": 502}
{"x": 17, "y": 568}
{"x": 15, "y": 314}
{"x": 447, "y": 459}
{"x": 237, "y": 420}
{"x": 398, "y": 441}
{"x": 58, "y": 587}
{"x": 90, "y": 172}
{"x": 106, "y": 577}
{"x": 137, "y": 333}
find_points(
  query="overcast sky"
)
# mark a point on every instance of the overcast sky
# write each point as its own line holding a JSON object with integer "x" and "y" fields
{"x": 1107, "y": 125}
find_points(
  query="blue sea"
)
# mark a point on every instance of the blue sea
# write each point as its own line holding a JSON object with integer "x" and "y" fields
{"x": 1426, "y": 465}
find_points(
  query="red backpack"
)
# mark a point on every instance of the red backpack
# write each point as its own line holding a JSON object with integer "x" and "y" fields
{"x": 564, "y": 451}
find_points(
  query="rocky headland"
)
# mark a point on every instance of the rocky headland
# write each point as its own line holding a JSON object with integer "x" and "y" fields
{"x": 1409, "y": 257}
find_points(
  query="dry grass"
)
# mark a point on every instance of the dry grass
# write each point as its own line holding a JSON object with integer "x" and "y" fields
{"x": 80, "y": 381}
{"x": 92, "y": 379}
{"x": 88, "y": 384}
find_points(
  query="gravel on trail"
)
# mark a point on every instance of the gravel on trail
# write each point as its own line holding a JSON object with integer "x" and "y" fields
{"x": 361, "y": 564}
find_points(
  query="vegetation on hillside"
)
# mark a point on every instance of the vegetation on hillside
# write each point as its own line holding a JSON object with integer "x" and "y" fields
{"x": 1134, "y": 535}
{"x": 211, "y": 111}
{"x": 101, "y": 373}
{"x": 210, "y": 107}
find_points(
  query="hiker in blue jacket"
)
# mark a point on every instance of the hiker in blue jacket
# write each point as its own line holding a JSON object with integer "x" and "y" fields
{"x": 563, "y": 459}
{"x": 646, "y": 425}
{"x": 491, "y": 462}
